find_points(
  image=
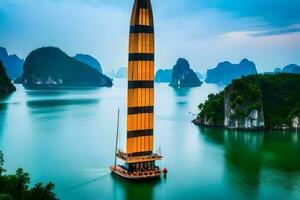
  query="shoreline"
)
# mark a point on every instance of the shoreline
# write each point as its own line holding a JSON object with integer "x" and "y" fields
{"x": 195, "y": 122}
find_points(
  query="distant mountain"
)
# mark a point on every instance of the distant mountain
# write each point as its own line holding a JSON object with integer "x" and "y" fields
{"x": 89, "y": 60}
{"x": 6, "y": 86}
{"x": 183, "y": 75}
{"x": 163, "y": 76}
{"x": 111, "y": 73}
{"x": 225, "y": 72}
{"x": 12, "y": 63}
{"x": 289, "y": 69}
{"x": 121, "y": 73}
{"x": 50, "y": 67}
{"x": 277, "y": 70}
{"x": 292, "y": 69}
{"x": 200, "y": 76}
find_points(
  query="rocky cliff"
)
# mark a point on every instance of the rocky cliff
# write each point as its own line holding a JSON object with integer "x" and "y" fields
{"x": 89, "y": 60}
{"x": 121, "y": 73}
{"x": 292, "y": 69}
{"x": 255, "y": 102}
{"x": 225, "y": 72}
{"x": 243, "y": 109}
{"x": 212, "y": 111}
{"x": 183, "y": 75}
{"x": 163, "y": 76}
{"x": 50, "y": 67}
{"x": 12, "y": 63}
{"x": 6, "y": 87}
{"x": 289, "y": 69}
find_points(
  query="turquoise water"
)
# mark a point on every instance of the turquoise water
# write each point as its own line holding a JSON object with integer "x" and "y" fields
{"x": 67, "y": 137}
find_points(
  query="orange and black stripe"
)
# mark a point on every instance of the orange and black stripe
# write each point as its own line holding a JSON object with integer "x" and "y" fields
{"x": 140, "y": 116}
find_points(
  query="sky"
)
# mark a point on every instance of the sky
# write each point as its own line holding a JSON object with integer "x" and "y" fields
{"x": 205, "y": 32}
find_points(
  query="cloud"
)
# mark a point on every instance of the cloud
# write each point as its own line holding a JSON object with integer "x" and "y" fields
{"x": 264, "y": 32}
{"x": 277, "y": 13}
{"x": 280, "y": 31}
{"x": 205, "y": 32}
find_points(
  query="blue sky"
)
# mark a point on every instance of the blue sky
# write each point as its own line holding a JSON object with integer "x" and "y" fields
{"x": 205, "y": 32}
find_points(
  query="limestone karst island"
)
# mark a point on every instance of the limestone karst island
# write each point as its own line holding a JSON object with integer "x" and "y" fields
{"x": 147, "y": 99}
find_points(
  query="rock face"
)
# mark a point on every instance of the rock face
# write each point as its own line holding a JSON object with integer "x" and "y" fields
{"x": 269, "y": 101}
{"x": 225, "y": 72}
{"x": 183, "y": 75}
{"x": 242, "y": 111}
{"x": 121, "y": 73}
{"x": 163, "y": 76}
{"x": 296, "y": 122}
{"x": 49, "y": 67}
{"x": 212, "y": 111}
{"x": 6, "y": 87}
{"x": 12, "y": 63}
{"x": 89, "y": 60}
{"x": 292, "y": 69}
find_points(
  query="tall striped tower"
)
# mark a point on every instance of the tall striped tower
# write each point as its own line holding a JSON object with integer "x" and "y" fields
{"x": 140, "y": 80}
{"x": 139, "y": 157}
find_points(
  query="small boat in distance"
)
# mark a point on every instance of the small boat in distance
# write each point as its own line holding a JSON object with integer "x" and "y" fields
{"x": 139, "y": 158}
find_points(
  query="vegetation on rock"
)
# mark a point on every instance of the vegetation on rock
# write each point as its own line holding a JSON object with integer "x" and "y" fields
{"x": 89, "y": 60}
{"x": 245, "y": 96}
{"x": 6, "y": 87}
{"x": 212, "y": 109}
{"x": 50, "y": 65}
{"x": 278, "y": 95}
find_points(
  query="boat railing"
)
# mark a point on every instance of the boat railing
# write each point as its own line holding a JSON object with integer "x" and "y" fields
{"x": 129, "y": 158}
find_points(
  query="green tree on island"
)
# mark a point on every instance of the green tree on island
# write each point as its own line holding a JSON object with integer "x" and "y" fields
{"x": 16, "y": 186}
{"x": 277, "y": 95}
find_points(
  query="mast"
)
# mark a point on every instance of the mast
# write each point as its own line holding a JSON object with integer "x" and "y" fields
{"x": 140, "y": 115}
{"x": 117, "y": 137}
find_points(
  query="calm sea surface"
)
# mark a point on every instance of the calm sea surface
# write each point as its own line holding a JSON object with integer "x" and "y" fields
{"x": 68, "y": 137}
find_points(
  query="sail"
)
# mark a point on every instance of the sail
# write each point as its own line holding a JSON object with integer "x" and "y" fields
{"x": 140, "y": 115}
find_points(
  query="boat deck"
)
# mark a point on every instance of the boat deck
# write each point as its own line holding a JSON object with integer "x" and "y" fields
{"x": 135, "y": 159}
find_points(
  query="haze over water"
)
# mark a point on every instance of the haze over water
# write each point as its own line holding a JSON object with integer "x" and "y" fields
{"x": 68, "y": 137}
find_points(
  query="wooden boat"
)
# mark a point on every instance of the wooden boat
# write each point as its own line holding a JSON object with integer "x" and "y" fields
{"x": 139, "y": 158}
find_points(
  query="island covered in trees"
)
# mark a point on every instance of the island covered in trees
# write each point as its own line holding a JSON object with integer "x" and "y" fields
{"x": 255, "y": 102}
{"x": 50, "y": 67}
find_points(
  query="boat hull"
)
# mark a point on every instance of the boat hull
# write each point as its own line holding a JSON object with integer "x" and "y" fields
{"x": 146, "y": 175}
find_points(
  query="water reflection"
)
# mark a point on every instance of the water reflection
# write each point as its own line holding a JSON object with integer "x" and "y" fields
{"x": 49, "y": 93}
{"x": 243, "y": 162}
{"x": 134, "y": 189}
{"x": 37, "y": 104}
{"x": 181, "y": 92}
{"x": 253, "y": 157}
{"x": 3, "y": 112}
